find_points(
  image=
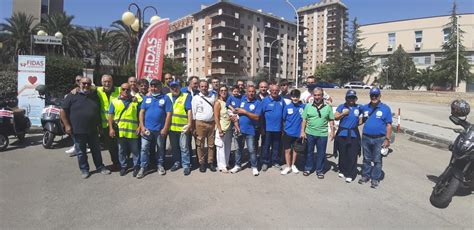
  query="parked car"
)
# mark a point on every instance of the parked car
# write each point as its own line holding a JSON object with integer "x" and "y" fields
{"x": 357, "y": 85}
{"x": 322, "y": 84}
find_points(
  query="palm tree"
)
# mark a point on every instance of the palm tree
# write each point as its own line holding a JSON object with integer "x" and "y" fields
{"x": 74, "y": 38}
{"x": 124, "y": 42}
{"x": 19, "y": 28}
{"x": 98, "y": 44}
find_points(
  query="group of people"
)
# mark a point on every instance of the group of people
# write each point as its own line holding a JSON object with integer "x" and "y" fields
{"x": 137, "y": 117}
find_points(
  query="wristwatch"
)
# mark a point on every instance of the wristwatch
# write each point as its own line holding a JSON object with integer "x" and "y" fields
{"x": 387, "y": 138}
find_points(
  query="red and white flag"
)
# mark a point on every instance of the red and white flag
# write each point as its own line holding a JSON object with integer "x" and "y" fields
{"x": 149, "y": 59}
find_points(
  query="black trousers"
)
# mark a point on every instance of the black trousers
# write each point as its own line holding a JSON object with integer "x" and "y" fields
{"x": 111, "y": 144}
{"x": 348, "y": 149}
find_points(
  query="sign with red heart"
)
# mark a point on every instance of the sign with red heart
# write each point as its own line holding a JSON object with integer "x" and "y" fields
{"x": 32, "y": 79}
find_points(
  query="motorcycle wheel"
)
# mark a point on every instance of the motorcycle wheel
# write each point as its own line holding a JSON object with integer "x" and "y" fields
{"x": 48, "y": 139}
{"x": 3, "y": 142}
{"x": 443, "y": 191}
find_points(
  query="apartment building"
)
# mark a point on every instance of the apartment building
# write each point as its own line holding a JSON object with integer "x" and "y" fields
{"x": 422, "y": 38}
{"x": 322, "y": 25}
{"x": 233, "y": 42}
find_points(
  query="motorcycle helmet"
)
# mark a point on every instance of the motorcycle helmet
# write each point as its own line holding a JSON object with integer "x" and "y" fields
{"x": 460, "y": 108}
{"x": 41, "y": 89}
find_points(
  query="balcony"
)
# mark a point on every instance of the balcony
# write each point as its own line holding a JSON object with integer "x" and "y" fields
{"x": 220, "y": 13}
{"x": 180, "y": 38}
{"x": 223, "y": 24}
{"x": 182, "y": 55}
{"x": 179, "y": 47}
{"x": 225, "y": 60}
{"x": 221, "y": 36}
{"x": 222, "y": 71}
{"x": 269, "y": 35}
{"x": 223, "y": 49}
{"x": 269, "y": 25}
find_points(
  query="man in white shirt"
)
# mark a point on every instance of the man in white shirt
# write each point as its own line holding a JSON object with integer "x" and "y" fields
{"x": 203, "y": 124}
{"x": 307, "y": 96}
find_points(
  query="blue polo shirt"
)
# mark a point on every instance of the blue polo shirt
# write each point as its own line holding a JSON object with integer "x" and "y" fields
{"x": 247, "y": 125}
{"x": 185, "y": 90}
{"x": 376, "y": 124}
{"x": 233, "y": 101}
{"x": 156, "y": 108}
{"x": 292, "y": 118}
{"x": 273, "y": 112}
{"x": 350, "y": 121}
{"x": 187, "y": 102}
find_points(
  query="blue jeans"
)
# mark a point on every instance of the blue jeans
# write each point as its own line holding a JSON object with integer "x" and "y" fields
{"x": 125, "y": 147}
{"x": 80, "y": 143}
{"x": 180, "y": 148}
{"x": 371, "y": 148}
{"x": 250, "y": 140}
{"x": 272, "y": 139}
{"x": 320, "y": 143}
{"x": 149, "y": 143}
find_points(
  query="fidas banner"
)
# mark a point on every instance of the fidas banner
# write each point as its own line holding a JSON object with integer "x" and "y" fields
{"x": 149, "y": 59}
{"x": 31, "y": 73}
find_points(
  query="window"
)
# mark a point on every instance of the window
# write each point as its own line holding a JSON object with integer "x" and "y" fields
{"x": 197, "y": 39}
{"x": 446, "y": 33}
{"x": 391, "y": 41}
{"x": 418, "y": 36}
{"x": 258, "y": 19}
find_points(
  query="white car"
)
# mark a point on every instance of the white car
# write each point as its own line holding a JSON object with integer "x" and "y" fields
{"x": 357, "y": 85}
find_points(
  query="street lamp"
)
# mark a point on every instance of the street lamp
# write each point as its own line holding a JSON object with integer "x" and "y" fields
{"x": 297, "y": 40}
{"x": 270, "y": 59}
{"x": 457, "y": 53}
{"x": 137, "y": 23}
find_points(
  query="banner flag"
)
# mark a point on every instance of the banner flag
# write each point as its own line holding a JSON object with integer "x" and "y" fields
{"x": 150, "y": 52}
{"x": 31, "y": 73}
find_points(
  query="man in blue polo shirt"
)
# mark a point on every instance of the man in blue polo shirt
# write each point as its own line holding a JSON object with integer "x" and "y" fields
{"x": 155, "y": 119}
{"x": 249, "y": 115}
{"x": 292, "y": 131}
{"x": 272, "y": 108}
{"x": 375, "y": 135}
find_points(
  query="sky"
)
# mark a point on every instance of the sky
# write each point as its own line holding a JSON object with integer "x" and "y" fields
{"x": 102, "y": 13}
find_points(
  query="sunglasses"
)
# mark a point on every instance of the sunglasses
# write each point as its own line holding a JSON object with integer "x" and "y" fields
{"x": 374, "y": 95}
{"x": 351, "y": 98}
{"x": 125, "y": 89}
{"x": 86, "y": 83}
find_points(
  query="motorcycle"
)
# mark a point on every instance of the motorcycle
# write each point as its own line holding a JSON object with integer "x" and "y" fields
{"x": 13, "y": 121}
{"x": 459, "y": 173}
{"x": 50, "y": 118}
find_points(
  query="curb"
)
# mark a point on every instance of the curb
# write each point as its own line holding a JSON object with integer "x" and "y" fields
{"x": 428, "y": 139}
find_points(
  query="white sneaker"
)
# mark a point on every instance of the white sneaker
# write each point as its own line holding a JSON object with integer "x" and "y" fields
{"x": 70, "y": 150}
{"x": 88, "y": 150}
{"x": 348, "y": 180}
{"x": 255, "y": 171}
{"x": 235, "y": 169}
{"x": 294, "y": 169}
{"x": 285, "y": 171}
{"x": 341, "y": 175}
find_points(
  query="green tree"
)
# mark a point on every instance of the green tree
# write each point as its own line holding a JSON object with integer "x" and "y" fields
{"x": 170, "y": 65}
{"x": 354, "y": 61}
{"x": 124, "y": 42}
{"x": 61, "y": 72}
{"x": 446, "y": 68}
{"x": 326, "y": 72}
{"x": 19, "y": 28}
{"x": 74, "y": 37}
{"x": 402, "y": 73}
{"x": 98, "y": 45}
{"x": 426, "y": 77}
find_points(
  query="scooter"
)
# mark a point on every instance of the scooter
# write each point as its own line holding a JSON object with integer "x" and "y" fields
{"x": 50, "y": 118}
{"x": 459, "y": 173}
{"x": 13, "y": 121}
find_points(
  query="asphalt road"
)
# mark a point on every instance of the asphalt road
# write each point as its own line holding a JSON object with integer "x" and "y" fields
{"x": 43, "y": 189}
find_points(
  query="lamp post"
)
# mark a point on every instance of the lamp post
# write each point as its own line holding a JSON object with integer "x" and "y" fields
{"x": 270, "y": 59}
{"x": 297, "y": 40}
{"x": 457, "y": 54}
{"x": 137, "y": 23}
{"x": 58, "y": 35}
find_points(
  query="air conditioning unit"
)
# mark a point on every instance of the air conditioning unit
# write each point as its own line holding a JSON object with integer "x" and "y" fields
{"x": 390, "y": 46}
{"x": 417, "y": 45}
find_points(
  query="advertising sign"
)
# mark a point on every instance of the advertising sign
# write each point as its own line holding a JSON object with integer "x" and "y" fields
{"x": 149, "y": 60}
{"x": 31, "y": 73}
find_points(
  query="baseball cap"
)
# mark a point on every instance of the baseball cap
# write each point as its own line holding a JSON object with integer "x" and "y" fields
{"x": 156, "y": 82}
{"x": 174, "y": 83}
{"x": 374, "y": 91}
{"x": 351, "y": 93}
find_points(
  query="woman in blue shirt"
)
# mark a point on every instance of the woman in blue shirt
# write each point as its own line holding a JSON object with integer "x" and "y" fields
{"x": 292, "y": 122}
{"x": 347, "y": 142}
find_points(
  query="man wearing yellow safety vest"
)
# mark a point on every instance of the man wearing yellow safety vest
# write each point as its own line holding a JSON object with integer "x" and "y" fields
{"x": 180, "y": 129}
{"x": 135, "y": 91}
{"x": 123, "y": 118}
{"x": 107, "y": 92}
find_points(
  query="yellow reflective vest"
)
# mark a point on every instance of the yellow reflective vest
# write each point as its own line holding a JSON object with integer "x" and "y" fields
{"x": 128, "y": 123}
{"x": 179, "y": 115}
{"x": 105, "y": 103}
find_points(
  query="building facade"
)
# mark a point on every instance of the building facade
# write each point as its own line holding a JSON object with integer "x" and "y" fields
{"x": 422, "y": 38}
{"x": 233, "y": 42}
{"x": 323, "y": 25}
{"x": 38, "y": 8}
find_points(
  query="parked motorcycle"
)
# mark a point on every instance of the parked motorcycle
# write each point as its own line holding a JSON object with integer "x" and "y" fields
{"x": 459, "y": 172}
{"x": 13, "y": 121}
{"x": 50, "y": 117}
